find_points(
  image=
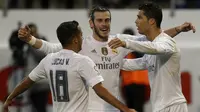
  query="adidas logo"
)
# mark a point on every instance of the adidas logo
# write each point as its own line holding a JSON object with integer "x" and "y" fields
{"x": 94, "y": 51}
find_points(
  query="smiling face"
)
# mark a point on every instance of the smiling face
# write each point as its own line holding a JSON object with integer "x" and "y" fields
{"x": 101, "y": 24}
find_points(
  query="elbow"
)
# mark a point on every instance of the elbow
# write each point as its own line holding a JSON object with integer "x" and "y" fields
{"x": 170, "y": 51}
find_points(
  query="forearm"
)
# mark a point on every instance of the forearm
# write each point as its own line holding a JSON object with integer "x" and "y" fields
{"x": 149, "y": 47}
{"x": 105, "y": 95}
{"x": 45, "y": 46}
{"x": 23, "y": 86}
{"x": 32, "y": 41}
{"x": 38, "y": 44}
{"x": 172, "y": 32}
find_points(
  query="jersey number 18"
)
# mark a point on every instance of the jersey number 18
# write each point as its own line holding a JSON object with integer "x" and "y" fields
{"x": 60, "y": 88}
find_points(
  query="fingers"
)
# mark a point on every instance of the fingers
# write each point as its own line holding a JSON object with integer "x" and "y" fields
{"x": 22, "y": 32}
{"x": 115, "y": 43}
{"x": 187, "y": 26}
{"x": 27, "y": 28}
{"x": 193, "y": 29}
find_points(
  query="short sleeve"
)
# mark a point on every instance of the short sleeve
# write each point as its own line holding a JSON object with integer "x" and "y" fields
{"x": 38, "y": 72}
{"x": 89, "y": 71}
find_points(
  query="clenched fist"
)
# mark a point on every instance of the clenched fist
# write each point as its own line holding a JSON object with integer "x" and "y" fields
{"x": 24, "y": 34}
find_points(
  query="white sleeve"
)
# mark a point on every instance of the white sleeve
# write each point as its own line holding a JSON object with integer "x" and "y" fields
{"x": 38, "y": 72}
{"x": 48, "y": 47}
{"x": 166, "y": 46}
{"x": 124, "y": 37}
{"x": 89, "y": 71}
{"x": 134, "y": 64}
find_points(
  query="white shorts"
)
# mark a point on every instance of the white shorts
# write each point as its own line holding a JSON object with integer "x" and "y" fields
{"x": 176, "y": 108}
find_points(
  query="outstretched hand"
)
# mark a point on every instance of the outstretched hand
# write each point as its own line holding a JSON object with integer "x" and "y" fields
{"x": 115, "y": 43}
{"x": 24, "y": 34}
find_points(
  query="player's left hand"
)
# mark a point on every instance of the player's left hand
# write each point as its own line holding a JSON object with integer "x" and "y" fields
{"x": 187, "y": 26}
{"x": 115, "y": 43}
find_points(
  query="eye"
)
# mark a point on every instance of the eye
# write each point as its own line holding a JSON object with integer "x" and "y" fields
{"x": 107, "y": 20}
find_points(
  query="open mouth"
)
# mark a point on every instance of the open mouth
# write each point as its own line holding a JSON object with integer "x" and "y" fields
{"x": 104, "y": 30}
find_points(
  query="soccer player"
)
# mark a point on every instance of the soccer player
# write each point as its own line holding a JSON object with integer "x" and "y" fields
{"x": 161, "y": 59}
{"x": 69, "y": 75}
{"x": 108, "y": 61}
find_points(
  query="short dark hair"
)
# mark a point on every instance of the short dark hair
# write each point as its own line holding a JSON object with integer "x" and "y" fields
{"x": 32, "y": 25}
{"x": 129, "y": 31}
{"x": 98, "y": 8}
{"x": 66, "y": 31}
{"x": 152, "y": 10}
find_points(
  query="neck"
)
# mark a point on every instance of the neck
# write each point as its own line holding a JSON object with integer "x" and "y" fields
{"x": 71, "y": 47}
{"x": 153, "y": 33}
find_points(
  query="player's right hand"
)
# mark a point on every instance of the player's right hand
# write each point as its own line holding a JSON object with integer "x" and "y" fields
{"x": 24, "y": 34}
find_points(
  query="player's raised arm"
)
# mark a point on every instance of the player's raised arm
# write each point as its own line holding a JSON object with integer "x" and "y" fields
{"x": 185, "y": 27}
{"x": 24, "y": 34}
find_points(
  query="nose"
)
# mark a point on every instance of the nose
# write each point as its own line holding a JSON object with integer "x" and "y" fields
{"x": 136, "y": 21}
{"x": 104, "y": 23}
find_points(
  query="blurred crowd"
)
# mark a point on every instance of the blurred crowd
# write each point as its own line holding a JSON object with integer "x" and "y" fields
{"x": 71, "y": 4}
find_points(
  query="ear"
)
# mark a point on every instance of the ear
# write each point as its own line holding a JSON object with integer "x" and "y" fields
{"x": 91, "y": 23}
{"x": 75, "y": 40}
{"x": 152, "y": 21}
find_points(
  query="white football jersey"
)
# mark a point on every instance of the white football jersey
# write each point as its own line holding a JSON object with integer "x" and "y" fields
{"x": 69, "y": 76}
{"x": 109, "y": 62}
{"x": 162, "y": 60}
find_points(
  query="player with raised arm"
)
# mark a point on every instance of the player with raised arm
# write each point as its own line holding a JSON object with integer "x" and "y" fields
{"x": 108, "y": 61}
{"x": 69, "y": 75}
{"x": 161, "y": 59}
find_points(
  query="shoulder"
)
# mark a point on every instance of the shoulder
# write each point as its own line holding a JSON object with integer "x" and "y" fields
{"x": 167, "y": 38}
{"x": 81, "y": 58}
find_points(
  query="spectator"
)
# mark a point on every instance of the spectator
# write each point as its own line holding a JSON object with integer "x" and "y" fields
{"x": 38, "y": 93}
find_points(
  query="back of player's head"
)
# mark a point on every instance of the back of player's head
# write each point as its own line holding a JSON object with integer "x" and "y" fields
{"x": 98, "y": 9}
{"x": 152, "y": 10}
{"x": 129, "y": 31}
{"x": 66, "y": 31}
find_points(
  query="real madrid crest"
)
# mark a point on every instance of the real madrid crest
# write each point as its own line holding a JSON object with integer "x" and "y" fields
{"x": 104, "y": 51}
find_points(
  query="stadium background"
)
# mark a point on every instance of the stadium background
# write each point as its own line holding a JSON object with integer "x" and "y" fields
{"x": 48, "y": 20}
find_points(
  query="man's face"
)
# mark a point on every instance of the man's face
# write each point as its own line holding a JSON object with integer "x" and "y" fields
{"x": 101, "y": 24}
{"x": 142, "y": 23}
